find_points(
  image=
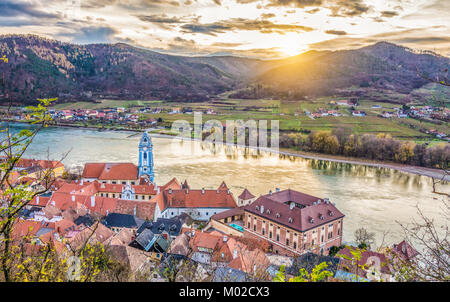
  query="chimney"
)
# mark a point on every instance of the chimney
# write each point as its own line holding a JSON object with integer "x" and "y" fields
{"x": 270, "y": 192}
{"x": 37, "y": 199}
{"x": 81, "y": 182}
{"x": 134, "y": 211}
{"x": 203, "y": 190}
{"x": 228, "y": 191}
{"x": 225, "y": 238}
{"x": 157, "y": 190}
{"x": 92, "y": 201}
{"x": 73, "y": 197}
{"x": 234, "y": 253}
{"x": 262, "y": 209}
{"x": 277, "y": 189}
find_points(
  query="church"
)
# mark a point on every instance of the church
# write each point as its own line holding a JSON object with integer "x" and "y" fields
{"x": 124, "y": 173}
{"x": 128, "y": 182}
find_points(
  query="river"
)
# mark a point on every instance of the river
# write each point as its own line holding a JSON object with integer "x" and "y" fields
{"x": 376, "y": 198}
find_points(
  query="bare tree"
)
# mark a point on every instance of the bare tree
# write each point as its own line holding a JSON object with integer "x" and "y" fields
{"x": 433, "y": 262}
{"x": 364, "y": 238}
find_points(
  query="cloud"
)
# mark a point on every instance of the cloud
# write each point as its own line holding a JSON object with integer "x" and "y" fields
{"x": 92, "y": 34}
{"x": 18, "y": 8}
{"x": 336, "y": 32}
{"x": 164, "y": 19}
{"x": 416, "y": 38}
{"x": 339, "y": 8}
{"x": 236, "y": 24}
{"x": 388, "y": 14}
{"x": 267, "y": 15}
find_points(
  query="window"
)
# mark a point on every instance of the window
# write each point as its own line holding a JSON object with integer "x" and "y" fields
{"x": 206, "y": 213}
{"x": 132, "y": 183}
{"x": 270, "y": 234}
{"x": 264, "y": 231}
{"x": 339, "y": 232}
{"x": 249, "y": 225}
{"x": 278, "y": 237}
{"x": 113, "y": 182}
{"x": 124, "y": 182}
{"x": 114, "y": 195}
{"x": 295, "y": 245}
{"x": 287, "y": 242}
{"x": 254, "y": 227}
{"x": 321, "y": 239}
{"x": 330, "y": 235}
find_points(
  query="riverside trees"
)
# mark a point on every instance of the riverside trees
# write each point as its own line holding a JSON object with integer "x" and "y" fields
{"x": 370, "y": 146}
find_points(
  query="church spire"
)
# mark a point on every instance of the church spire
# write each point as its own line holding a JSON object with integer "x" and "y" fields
{"x": 146, "y": 157}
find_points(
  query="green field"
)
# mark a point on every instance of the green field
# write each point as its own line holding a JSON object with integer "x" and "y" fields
{"x": 284, "y": 111}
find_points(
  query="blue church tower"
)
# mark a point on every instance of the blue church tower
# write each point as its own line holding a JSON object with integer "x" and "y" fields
{"x": 146, "y": 157}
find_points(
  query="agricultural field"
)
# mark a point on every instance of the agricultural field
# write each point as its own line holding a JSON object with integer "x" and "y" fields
{"x": 291, "y": 115}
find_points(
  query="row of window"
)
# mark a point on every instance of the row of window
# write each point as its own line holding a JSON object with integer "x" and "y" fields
{"x": 136, "y": 197}
{"x": 294, "y": 245}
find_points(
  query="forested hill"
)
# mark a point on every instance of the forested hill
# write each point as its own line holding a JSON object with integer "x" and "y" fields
{"x": 46, "y": 68}
{"x": 40, "y": 68}
{"x": 380, "y": 67}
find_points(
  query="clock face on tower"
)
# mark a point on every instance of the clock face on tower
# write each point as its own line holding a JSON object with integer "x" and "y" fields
{"x": 145, "y": 148}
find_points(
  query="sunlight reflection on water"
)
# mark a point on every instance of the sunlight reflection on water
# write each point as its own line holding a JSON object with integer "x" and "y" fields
{"x": 371, "y": 197}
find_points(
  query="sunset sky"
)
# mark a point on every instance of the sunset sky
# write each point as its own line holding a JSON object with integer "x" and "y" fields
{"x": 255, "y": 28}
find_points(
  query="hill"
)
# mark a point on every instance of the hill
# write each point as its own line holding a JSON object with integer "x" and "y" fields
{"x": 40, "y": 68}
{"x": 383, "y": 67}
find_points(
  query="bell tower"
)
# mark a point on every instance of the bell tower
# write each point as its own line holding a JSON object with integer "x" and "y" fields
{"x": 146, "y": 157}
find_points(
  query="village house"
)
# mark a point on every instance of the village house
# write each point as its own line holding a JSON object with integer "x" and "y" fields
{"x": 246, "y": 198}
{"x": 294, "y": 223}
{"x": 198, "y": 204}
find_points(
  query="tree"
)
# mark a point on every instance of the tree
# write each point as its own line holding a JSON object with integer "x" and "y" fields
{"x": 318, "y": 274}
{"x": 433, "y": 262}
{"x": 364, "y": 238}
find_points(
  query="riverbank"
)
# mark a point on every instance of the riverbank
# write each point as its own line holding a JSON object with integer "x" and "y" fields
{"x": 424, "y": 171}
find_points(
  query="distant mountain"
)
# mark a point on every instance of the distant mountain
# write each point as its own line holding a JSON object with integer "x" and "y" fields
{"x": 382, "y": 67}
{"x": 40, "y": 68}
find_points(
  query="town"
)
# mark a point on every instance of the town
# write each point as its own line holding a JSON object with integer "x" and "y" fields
{"x": 151, "y": 226}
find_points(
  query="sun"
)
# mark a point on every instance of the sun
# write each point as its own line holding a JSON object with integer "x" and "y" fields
{"x": 291, "y": 47}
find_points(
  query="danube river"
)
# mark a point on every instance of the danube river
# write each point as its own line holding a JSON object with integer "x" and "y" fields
{"x": 376, "y": 198}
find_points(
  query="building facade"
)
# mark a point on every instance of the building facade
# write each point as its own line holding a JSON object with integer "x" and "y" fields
{"x": 294, "y": 223}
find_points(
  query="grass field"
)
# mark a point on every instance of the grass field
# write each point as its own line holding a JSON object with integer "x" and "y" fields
{"x": 284, "y": 111}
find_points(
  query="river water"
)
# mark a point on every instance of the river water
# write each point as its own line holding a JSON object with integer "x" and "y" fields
{"x": 376, "y": 198}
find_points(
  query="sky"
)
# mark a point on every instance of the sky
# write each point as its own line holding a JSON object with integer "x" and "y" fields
{"x": 252, "y": 28}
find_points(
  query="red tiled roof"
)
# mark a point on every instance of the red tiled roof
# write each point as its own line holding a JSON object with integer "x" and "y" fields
{"x": 44, "y": 164}
{"x": 295, "y": 196}
{"x": 295, "y": 218}
{"x": 384, "y": 263}
{"x": 404, "y": 250}
{"x": 40, "y": 201}
{"x": 197, "y": 199}
{"x": 228, "y": 213}
{"x": 205, "y": 240}
{"x": 246, "y": 195}
{"x": 144, "y": 209}
{"x": 110, "y": 171}
{"x": 223, "y": 186}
